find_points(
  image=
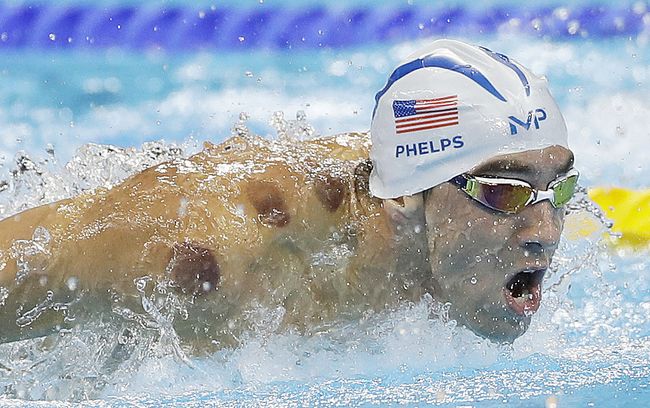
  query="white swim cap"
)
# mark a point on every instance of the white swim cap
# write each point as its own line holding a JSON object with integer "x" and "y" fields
{"x": 451, "y": 106}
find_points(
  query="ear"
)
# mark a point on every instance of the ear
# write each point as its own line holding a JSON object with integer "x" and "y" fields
{"x": 406, "y": 214}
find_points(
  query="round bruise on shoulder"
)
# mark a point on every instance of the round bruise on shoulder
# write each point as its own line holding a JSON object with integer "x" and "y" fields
{"x": 194, "y": 268}
{"x": 330, "y": 191}
{"x": 269, "y": 202}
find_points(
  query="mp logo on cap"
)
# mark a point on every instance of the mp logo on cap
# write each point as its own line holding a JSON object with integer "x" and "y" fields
{"x": 534, "y": 117}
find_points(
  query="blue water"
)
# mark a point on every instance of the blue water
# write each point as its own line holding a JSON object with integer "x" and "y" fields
{"x": 589, "y": 345}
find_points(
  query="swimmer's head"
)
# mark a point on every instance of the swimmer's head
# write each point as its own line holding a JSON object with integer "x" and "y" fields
{"x": 453, "y": 109}
{"x": 451, "y": 106}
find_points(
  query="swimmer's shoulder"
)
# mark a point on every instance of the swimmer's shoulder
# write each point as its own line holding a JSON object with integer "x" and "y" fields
{"x": 247, "y": 155}
{"x": 352, "y": 146}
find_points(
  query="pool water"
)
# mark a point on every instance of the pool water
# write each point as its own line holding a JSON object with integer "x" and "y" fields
{"x": 589, "y": 345}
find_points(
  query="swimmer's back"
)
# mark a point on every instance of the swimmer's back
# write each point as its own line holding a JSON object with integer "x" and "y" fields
{"x": 233, "y": 208}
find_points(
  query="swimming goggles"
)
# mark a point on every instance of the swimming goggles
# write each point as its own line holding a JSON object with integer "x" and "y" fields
{"x": 512, "y": 196}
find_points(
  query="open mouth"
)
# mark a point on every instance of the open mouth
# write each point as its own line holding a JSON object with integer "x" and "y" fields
{"x": 523, "y": 292}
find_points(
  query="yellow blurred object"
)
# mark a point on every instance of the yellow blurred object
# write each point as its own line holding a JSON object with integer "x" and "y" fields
{"x": 629, "y": 210}
{"x": 579, "y": 225}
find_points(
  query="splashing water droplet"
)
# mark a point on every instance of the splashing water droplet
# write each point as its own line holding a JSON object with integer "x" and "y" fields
{"x": 41, "y": 236}
{"x": 241, "y": 128}
{"x": 141, "y": 283}
{"x": 72, "y": 283}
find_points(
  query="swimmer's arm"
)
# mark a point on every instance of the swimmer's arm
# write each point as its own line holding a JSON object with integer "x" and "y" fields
{"x": 20, "y": 294}
{"x": 65, "y": 255}
{"x": 100, "y": 242}
{"x": 18, "y": 229}
{"x": 97, "y": 243}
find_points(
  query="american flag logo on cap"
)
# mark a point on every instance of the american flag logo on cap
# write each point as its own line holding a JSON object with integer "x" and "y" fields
{"x": 424, "y": 114}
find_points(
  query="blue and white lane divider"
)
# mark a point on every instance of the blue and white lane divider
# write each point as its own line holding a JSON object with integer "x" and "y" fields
{"x": 264, "y": 26}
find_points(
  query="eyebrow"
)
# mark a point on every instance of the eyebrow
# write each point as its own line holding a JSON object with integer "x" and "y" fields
{"x": 510, "y": 166}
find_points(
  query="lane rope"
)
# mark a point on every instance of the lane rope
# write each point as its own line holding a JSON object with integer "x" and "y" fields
{"x": 183, "y": 28}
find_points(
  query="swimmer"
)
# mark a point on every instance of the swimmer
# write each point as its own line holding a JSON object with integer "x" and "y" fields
{"x": 458, "y": 193}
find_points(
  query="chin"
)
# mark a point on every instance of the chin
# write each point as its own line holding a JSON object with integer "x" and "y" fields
{"x": 498, "y": 329}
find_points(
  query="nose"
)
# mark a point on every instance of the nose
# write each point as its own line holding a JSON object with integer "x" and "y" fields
{"x": 540, "y": 226}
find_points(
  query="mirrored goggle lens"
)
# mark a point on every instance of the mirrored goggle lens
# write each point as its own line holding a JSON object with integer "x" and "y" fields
{"x": 504, "y": 197}
{"x": 564, "y": 190}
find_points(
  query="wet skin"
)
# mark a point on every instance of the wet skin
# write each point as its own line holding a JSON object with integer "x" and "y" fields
{"x": 475, "y": 251}
{"x": 304, "y": 234}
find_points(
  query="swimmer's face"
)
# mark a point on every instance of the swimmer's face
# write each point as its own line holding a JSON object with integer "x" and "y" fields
{"x": 489, "y": 265}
